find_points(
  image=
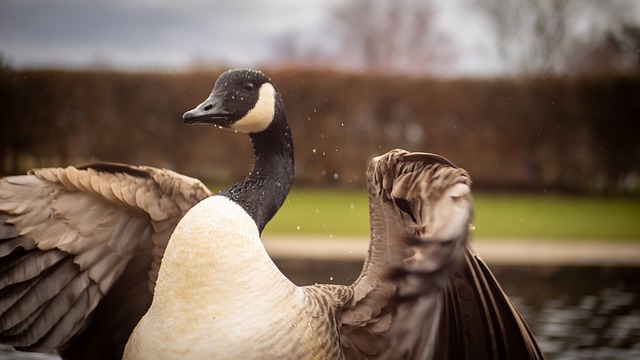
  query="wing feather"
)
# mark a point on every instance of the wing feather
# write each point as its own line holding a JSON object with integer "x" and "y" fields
{"x": 70, "y": 238}
{"x": 444, "y": 302}
{"x": 405, "y": 193}
{"x": 479, "y": 318}
{"x": 37, "y": 292}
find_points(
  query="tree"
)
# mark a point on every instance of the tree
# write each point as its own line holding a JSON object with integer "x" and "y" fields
{"x": 396, "y": 36}
{"x": 391, "y": 35}
{"x": 617, "y": 51}
{"x": 541, "y": 37}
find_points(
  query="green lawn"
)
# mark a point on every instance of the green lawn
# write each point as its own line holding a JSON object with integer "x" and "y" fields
{"x": 345, "y": 213}
{"x": 328, "y": 212}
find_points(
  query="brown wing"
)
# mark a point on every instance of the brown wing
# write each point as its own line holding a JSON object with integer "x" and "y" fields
{"x": 420, "y": 208}
{"x": 478, "y": 319}
{"x": 428, "y": 295}
{"x": 79, "y": 253}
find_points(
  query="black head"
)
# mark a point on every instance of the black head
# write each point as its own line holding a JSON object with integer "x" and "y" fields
{"x": 243, "y": 100}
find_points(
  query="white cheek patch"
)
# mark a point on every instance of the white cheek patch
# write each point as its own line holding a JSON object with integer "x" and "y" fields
{"x": 259, "y": 118}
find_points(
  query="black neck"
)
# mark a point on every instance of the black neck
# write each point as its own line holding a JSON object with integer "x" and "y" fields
{"x": 262, "y": 192}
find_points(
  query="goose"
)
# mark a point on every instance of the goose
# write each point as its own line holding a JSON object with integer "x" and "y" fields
{"x": 80, "y": 247}
{"x": 423, "y": 292}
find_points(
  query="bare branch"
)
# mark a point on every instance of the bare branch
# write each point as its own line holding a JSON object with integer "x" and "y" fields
{"x": 538, "y": 37}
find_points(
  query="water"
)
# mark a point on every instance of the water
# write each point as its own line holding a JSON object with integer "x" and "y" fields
{"x": 575, "y": 312}
{"x": 579, "y": 312}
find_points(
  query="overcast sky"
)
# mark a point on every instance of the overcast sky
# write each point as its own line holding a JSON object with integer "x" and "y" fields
{"x": 175, "y": 34}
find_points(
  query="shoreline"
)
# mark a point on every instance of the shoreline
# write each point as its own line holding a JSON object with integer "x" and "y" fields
{"x": 492, "y": 251}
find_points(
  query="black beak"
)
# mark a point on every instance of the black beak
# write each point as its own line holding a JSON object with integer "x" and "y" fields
{"x": 209, "y": 112}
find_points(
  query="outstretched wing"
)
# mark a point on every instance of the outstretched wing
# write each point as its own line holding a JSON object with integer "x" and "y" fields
{"x": 80, "y": 249}
{"x": 420, "y": 209}
{"x": 424, "y": 293}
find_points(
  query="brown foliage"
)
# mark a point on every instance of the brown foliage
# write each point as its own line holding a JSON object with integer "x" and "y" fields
{"x": 536, "y": 133}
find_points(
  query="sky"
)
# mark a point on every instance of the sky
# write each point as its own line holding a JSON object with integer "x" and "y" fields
{"x": 178, "y": 34}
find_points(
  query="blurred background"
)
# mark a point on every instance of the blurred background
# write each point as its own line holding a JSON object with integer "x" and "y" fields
{"x": 538, "y": 100}
{"x": 524, "y": 94}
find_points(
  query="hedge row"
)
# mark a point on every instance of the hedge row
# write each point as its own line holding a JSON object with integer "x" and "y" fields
{"x": 575, "y": 134}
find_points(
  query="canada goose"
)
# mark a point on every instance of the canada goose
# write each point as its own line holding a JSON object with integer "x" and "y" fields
{"x": 238, "y": 305}
{"x": 423, "y": 196}
{"x": 80, "y": 247}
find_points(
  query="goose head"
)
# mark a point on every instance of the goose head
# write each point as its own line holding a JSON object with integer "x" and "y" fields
{"x": 242, "y": 99}
{"x": 247, "y": 101}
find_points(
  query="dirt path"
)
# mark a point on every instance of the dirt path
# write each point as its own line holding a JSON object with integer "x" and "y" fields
{"x": 493, "y": 251}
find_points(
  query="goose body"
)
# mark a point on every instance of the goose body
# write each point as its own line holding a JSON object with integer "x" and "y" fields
{"x": 237, "y": 305}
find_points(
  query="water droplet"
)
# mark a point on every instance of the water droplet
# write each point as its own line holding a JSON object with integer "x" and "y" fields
{"x": 331, "y": 278}
{"x": 336, "y": 176}
{"x": 313, "y": 151}
{"x": 352, "y": 207}
{"x": 298, "y": 227}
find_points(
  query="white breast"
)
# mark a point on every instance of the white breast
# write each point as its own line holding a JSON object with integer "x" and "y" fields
{"x": 218, "y": 293}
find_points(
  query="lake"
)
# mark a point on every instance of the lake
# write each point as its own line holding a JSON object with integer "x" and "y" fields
{"x": 575, "y": 312}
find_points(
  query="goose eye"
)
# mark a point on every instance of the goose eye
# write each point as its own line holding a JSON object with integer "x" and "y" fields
{"x": 249, "y": 87}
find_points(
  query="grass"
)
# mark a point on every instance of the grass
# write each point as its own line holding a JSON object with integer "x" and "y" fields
{"x": 555, "y": 216}
{"x": 326, "y": 212}
{"x": 345, "y": 213}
